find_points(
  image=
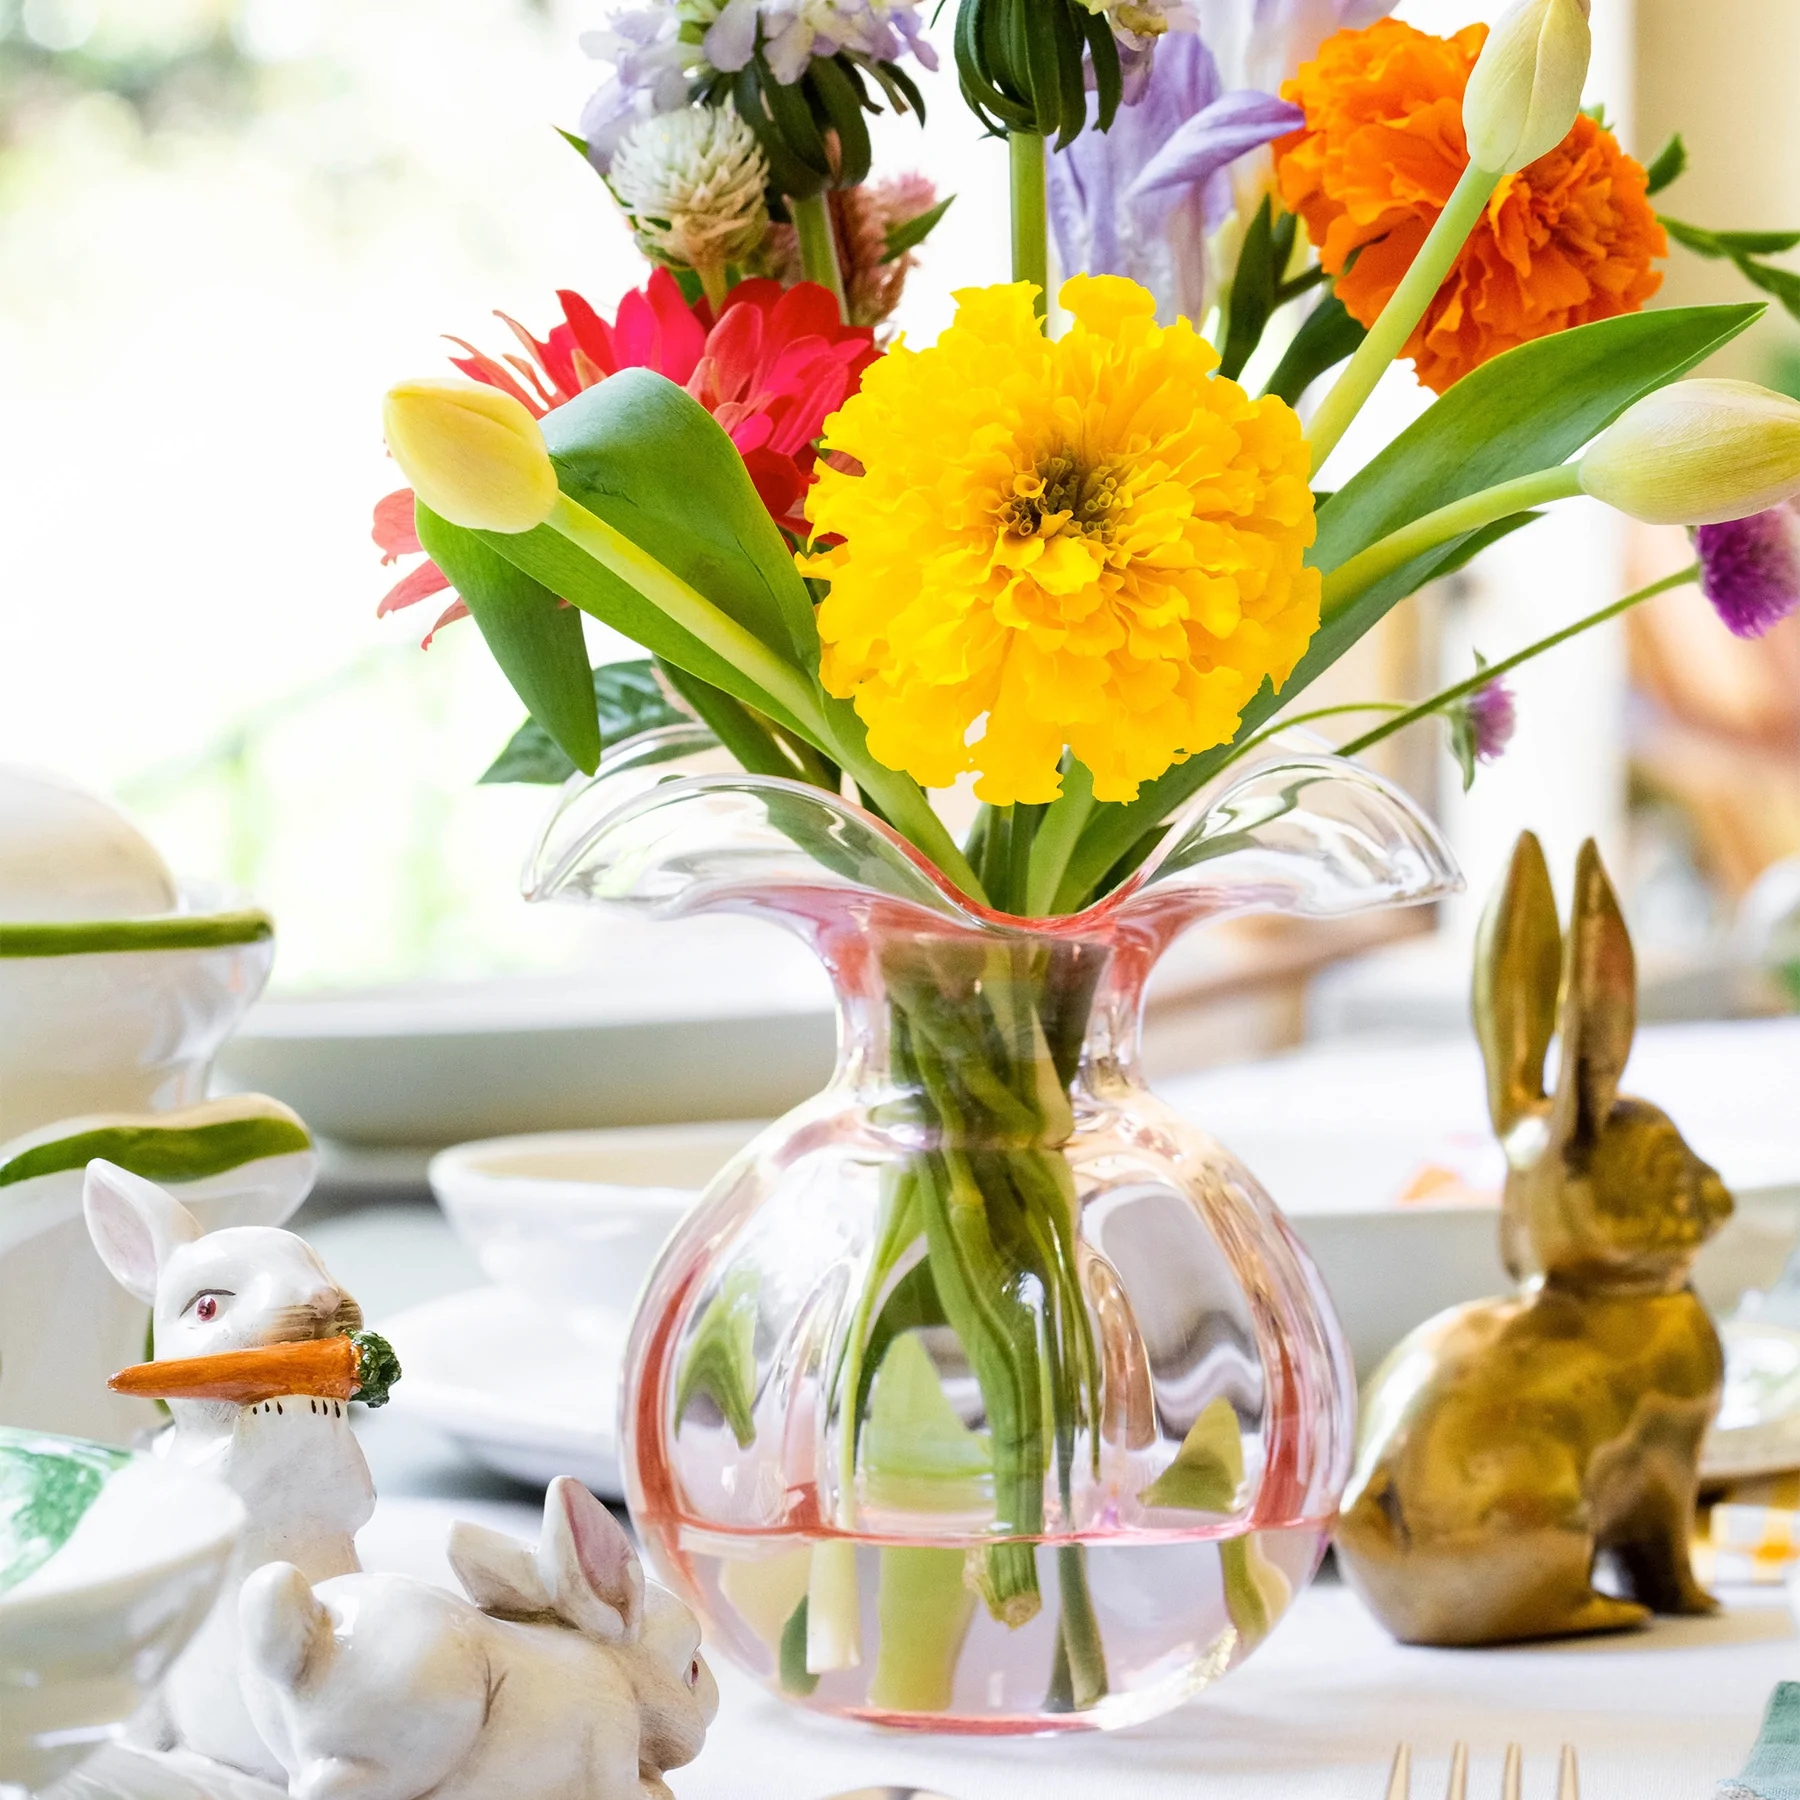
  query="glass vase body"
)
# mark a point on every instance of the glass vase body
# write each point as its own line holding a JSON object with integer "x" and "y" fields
{"x": 983, "y": 1392}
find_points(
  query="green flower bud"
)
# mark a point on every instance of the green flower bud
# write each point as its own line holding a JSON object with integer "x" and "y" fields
{"x": 1019, "y": 63}
{"x": 1698, "y": 453}
{"x": 1525, "y": 91}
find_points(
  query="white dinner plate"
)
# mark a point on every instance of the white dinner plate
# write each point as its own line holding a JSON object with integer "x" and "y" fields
{"x": 529, "y": 1390}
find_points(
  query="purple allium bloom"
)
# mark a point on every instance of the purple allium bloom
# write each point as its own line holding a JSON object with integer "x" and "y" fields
{"x": 1750, "y": 568}
{"x": 1493, "y": 718}
{"x": 1481, "y": 725}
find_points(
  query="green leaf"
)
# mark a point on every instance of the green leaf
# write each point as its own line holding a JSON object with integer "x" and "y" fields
{"x": 720, "y": 1358}
{"x": 1728, "y": 243}
{"x": 909, "y": 234}
{"x": 732, "y": 723}
{"x": 574, "y": 140}
{"x": 1670, "y": 165}
{"x": 843, "y": 106}
{"x": 1597, "y": 112}
{"x": 628, "y": 699}
{"x": 917, "y": 1454}
{"x": 1252, "y": 292}
{"x": 1530, "y": 409}
{"x": 1757, "y": 243}
{"x": 1327, "y": 336}
{"x": 1784, "y": 284}
{"x": 535, "y": 639}
{"x": 377, "y": 1367}
{"x": 787, "y": 172}
{"x": 646, "y": 457}
{"x": 791, "y": 1667}
{"x": 1207, "y": 1474}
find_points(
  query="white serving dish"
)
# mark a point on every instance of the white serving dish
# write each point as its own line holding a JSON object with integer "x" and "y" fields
{"x": 528, "y": 1390}
{"x": 1339, "y": 1131}
{"x": 88, "y": 1633}
{"x": 697, "y": 1019}
{"x": 577, "y": 1217}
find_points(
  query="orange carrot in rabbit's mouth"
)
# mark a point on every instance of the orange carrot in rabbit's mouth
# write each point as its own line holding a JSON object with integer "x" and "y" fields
{"x": 353, "y": 1366}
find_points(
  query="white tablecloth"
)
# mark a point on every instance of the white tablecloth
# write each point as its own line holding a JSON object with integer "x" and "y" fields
{"x": 1314, "y": 1715}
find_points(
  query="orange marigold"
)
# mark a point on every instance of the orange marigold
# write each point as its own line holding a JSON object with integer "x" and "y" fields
{"x": 1568, "y": 239}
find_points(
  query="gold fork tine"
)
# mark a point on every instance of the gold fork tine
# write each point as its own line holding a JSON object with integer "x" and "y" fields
{"x": 1509, "y": 1777}
{"x": 1400, "y": 1781}
{"x": 1568, "y": 1785}
{"x": 1459, "y": 1774}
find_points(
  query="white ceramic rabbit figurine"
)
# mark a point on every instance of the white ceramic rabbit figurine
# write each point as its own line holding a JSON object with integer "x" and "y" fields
{"x": 297, "y": 1467}
{"x": 563, "y": 1676}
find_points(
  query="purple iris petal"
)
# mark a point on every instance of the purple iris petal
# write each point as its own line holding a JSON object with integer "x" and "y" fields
{"x": 1096, "y": 228}
{"x": 730, "y": 40}
{"x": 916, "y": 40}
{"x": 1214, "y": 138}
{"x": 1750, "y": 569}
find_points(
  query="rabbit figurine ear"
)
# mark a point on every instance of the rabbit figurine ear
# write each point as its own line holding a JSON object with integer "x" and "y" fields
{"x": 1518, "y": 954}
{"x": 1598, "y": 1011}
{"x": 497, "y": 1572}
{"x": 134, "y": 1225}
{"x": 593, "y": 1575}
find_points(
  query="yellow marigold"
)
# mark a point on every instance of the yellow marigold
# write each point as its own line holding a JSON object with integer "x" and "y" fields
{"x": 1091, "y": 543}
{"x": 1568, "y": 239}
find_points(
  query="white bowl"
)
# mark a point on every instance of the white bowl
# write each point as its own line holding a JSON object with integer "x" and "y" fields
{"x": 577, "y": 1217}
{"x": 124, "y": 1015}
{"x": 88, "y": 1631}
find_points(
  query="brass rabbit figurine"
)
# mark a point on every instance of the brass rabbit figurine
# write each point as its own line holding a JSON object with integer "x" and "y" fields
{"x": 1507, "y": 1444}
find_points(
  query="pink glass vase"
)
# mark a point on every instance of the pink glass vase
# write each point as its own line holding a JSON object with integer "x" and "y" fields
{"x": 983, "y": 1392}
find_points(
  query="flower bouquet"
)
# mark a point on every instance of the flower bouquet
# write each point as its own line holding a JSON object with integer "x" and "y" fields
{"x": 982, "y": 1392}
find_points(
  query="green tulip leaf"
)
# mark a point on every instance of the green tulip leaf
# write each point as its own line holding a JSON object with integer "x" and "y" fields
{"x": 534, "y": 638}
{"x": 1326, "y": 337}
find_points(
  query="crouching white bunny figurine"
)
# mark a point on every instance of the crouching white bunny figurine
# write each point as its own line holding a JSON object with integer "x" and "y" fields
{"x": 562, "y": 1676}
{"x": 568, "y": 1678}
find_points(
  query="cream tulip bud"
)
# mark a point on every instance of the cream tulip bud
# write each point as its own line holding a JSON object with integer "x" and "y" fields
{"x": 473, "y": 454}
{"x": 1525, "y": 91}
{"x": 1698, "y": 453}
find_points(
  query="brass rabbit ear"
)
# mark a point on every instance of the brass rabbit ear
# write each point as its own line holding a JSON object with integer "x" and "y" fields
{"x": 1598, "y": 1011}
{"x": 1518, "y": 953}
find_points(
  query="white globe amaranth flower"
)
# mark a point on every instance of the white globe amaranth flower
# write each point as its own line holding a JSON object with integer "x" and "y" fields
{"x": 691, "y": 183}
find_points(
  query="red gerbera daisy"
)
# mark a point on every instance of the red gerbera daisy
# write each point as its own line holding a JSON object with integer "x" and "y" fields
{"x": 771, "y": 369}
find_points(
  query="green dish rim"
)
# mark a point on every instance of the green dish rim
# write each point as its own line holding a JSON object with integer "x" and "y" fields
{"x": 175, "y": 931}
{"x": 165, "y": 1152}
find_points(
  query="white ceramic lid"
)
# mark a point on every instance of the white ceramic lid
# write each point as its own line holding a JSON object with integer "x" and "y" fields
{"x": 66, "y": 854}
